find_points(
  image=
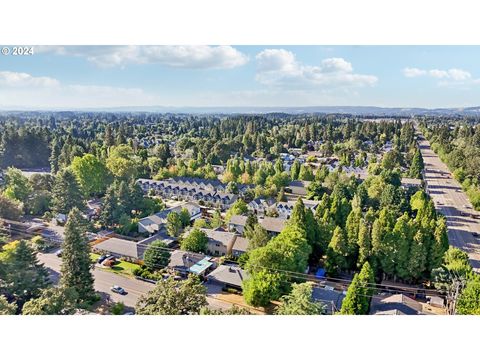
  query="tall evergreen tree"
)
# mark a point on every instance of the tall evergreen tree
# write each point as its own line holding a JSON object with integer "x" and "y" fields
{"x": 108, "y": 215}
{"x": 22, "y": 274}
{"x": 364, "y": 243}
{"x": 337, "y": 252}
{"x": 66, "y": 193}
{"x": 403, "y": 232}
{"x": 295, "y": 170}
{"x": 258, "y": 238}
{"x": 76, "y": 262}
{"x": 359, "y": 293}
{"x": 417, "y": 165}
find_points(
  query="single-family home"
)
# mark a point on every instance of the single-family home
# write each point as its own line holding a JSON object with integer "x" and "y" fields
{"x": 228, "y": 276}
{"x": 273, "y": 225}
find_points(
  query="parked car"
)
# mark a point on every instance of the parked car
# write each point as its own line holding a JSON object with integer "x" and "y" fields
{"x": 102, "y": 258}
{"x": 118, "y": 289}
{"x": 59, "y": 253}
{"x": 475, "y": 234}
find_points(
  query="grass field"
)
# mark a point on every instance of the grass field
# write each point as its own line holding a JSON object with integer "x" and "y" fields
{"x": 122, "y": 267}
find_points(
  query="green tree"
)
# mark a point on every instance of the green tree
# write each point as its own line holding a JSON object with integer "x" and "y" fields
{"x": 439, "y": 244}
{"x": 295, "y": 170}
{"x": 92, "y": 174}
{"x": 174, "y": 224}
{"x": 201, "y": 223}
{"x": 185, "y": 217}
{"x": 337, "y": 252}
{"x": 306, "y": 173}
{"x": 109, "y": 214}
{"x": 118, "y": 308}
{"x": 418, "y": 255}
{"x": 261, "y": 288}
{"x": 238, "y": 208}
{"x": 9, "y": 209}
{"x": 76, "y": 262}
{"x": 122, "y": 162}
{"x": 359, "y": 293}
{"x": 173, "y": 297}
{"x": 258, "y": 238}
{"x": 353, "y": 303}
{"x": 66, "y": 193}
{"x": 249, "y": 227}
{"x": 52, "y": 301}
{"x": 300, "y": 302}
{"x": 217, "y": 220}
{"x": 364, "y": 243}
{"x": 417, "y": 165}
{"x": 469, "y": 300}
{"x": 157, "y": 256}
{"x": 7, "y": 308}
{"x": 23, "y": 276}
{"x": 17, "y": 186}
{"x": 195, "y": 241}
{"x": 352, "y": 227}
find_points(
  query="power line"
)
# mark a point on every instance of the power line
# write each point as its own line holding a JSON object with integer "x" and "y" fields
{"x": 293, "y": 274}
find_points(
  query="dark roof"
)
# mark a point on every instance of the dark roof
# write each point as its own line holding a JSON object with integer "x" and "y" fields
{"x": 329, "y": 298}
{"x": 398, "y": 303}
{"x": 299, "y": 187}
{"x": 118, "y": 247}
{"x": 231, "y": 275}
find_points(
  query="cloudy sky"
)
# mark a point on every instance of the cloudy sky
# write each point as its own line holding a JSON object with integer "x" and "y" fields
{"x": 111, "y": 76}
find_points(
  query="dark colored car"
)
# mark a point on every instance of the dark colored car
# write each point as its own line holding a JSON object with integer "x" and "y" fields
{"x": 101, "y": 258}
{"x": 118, "y": 289}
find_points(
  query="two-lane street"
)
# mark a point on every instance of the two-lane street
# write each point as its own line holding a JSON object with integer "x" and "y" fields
{"x": 451, "y": 201}
{"x": 104, "y": 280}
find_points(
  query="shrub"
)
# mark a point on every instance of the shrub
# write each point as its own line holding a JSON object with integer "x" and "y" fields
{"x": 118, "y": 308}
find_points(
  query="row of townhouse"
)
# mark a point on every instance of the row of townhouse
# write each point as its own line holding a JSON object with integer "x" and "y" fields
{"x": 284, "y": 209}
{"x": 181, "y": 191}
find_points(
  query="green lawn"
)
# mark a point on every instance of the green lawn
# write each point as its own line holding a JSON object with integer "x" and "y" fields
{"x": 122, "y": 267}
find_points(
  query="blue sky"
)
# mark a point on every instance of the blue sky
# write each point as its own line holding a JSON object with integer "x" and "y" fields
{"x": 100, "y": 76}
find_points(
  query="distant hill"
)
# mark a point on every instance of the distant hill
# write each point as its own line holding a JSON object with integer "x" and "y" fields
{"x": 354, "y": 110}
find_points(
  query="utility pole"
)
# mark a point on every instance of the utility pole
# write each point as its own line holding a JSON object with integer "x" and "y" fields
{"x": 452, "y": 299}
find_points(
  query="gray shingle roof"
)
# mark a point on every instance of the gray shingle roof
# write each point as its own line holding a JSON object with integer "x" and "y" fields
{"x": 231, "y": 275}
{"x": 119, "y": 247}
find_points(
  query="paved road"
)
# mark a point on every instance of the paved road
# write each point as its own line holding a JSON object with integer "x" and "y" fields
{"x": 451, "y": 201}
{"x": 104, "y": 280}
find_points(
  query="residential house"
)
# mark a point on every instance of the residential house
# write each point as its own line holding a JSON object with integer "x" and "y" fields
{"x": 260, "y": 206}
{"x": 182, "y": 261}
{"x": 400, "y": 304}
{"x": 332, "y": 299}
{"x": 229, "y": 276}
{"x": 273, "y": 225}
{"x": 118, "y": 247}
{"x": 297, "y": 188}
{"x": 155, "y": 222}
{"x": 240, "y": 246}
{"x": 193, "y": 189}
{"x": 284, "y": 208}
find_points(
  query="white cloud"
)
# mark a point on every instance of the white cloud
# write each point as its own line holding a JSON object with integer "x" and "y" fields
{"x": 195, "y": 57}
{"x": 19, "y": 90}
{"x": 19, "y": 80}
{"x": 279, "y": 67}
{"x": 450, "y": 74}
{"x": 413, "y": 72}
